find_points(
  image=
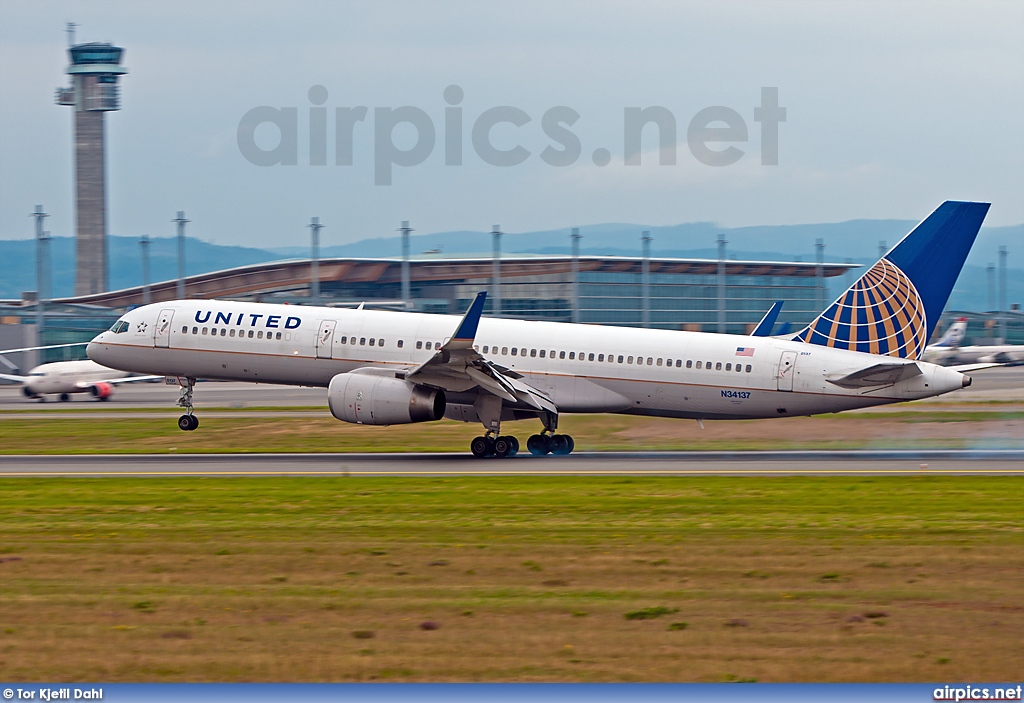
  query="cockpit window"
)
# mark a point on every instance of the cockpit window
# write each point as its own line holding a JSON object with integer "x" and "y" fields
{"x": 119, "y": 327}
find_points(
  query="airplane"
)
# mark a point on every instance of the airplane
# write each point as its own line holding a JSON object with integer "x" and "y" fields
{"x": 948, "y": 350}
{"x": 946, "y": 346}
{"x": 67, "y": 377}
{"x": 389, "y": 367}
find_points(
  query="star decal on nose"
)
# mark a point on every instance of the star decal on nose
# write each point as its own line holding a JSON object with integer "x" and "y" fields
{"x": 141, "y": 327}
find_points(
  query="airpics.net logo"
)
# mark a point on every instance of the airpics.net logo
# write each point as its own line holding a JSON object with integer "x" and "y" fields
{"x": 711, "y": 134}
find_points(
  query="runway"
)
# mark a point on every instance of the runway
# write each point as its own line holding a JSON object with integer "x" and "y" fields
{"x": 787, "y": 463}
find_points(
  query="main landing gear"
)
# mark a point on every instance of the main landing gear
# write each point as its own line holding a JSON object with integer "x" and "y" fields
{"x": 188, "y": 421}
{"x": 547, "y": 442}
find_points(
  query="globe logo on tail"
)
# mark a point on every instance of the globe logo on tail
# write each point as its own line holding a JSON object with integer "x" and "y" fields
{"x": 882, "y": 313}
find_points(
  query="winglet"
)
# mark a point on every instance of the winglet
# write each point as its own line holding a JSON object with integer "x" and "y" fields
{"x": 764, "y": 327}
{"x": 466, "y": 333}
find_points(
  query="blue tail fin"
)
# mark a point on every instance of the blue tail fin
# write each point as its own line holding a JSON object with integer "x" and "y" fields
{"x": 894, "y": 307}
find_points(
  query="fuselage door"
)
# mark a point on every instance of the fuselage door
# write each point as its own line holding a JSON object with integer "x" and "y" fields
{"x": 787, "y": 369}
{"x": 325, "y": 339}
{"x": 162, "y": 331}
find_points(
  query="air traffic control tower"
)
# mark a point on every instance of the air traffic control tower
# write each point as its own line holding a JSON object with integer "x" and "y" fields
{"x": 94, "y": 70}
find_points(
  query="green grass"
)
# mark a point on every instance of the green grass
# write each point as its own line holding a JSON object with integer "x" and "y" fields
{"x": 270, "y": 579}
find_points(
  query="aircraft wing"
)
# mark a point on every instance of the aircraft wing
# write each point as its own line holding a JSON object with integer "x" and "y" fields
{"x": 964, "y": 368}
{"x": 50, "y": 346}
{"x": 457, "y": 366}
{"x": 12, "y": 377}
{"x": 117, "y": 381}
{"x": 764, "y": 327}
{"x": 882, "y": 374}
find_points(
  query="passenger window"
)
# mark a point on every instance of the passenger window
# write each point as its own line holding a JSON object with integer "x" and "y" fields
{"x": 707, "y": 365}
{"x": 718, "y": 366}
{"x": 184, "y": 330}
{"x": 552, "y": 353}
{"x": 572, "y": 355}
{"x": 522, "y": 352}
{"x": 278, "y": 336}
{"x": 591, "y": 357}
{"x": 251, "y": 334}
{"x": 659, "y": 361}
{"x": 561, "y": 355}
{"x": 344, "y": 340}
{"x": 419, "y": 344}
{"x": 485, "y": 349}
{"x": 600, "y": 357}
{"x": 351, "y": 340}
{"x": 689, "y": 364}
{"x": 699, "y": 365}
{"x": 259, "y": 335}
{"x": 542, "y": 353}
{"x": 650, "y": 361}
{"x": 728, "y": 367}
{"x": 739, "y": 367}
{"x": 620, "y": 358}
{"x": 223, "y": 332}
{"x": 679, "y": 362}
{"x": 515, "y": 351}
{"x": 629, "y": 360}
{"x": 380, "y": 342}
{"x": 362, "y": 341}
{"x": 401, "y": 343}
{"x": 232, "y": 333}
{"x": 195, "y": 330}
{"x": 748, "y": 368}
{"x": 373, "y": 342}
{"x": 533, "y": 352}
{"x": 504, "y": 350}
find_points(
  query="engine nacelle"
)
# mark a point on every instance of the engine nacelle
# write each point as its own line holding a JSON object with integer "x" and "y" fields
{"x": 367, "y": 399}
{"x": 101, "y": 390}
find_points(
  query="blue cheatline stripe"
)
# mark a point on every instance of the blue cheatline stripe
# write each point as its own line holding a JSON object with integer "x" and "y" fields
{"x": 511, "y": 693}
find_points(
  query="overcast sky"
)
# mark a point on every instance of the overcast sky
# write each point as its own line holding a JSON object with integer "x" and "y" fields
{"x": 891, "y": 108}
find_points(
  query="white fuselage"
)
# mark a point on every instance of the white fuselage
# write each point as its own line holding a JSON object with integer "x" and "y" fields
{"x": 584, "y": 368}
{"x": 68, "y": 377}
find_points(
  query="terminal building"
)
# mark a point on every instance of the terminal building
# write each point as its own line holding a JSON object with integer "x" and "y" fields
{"x": 668, "y": 293}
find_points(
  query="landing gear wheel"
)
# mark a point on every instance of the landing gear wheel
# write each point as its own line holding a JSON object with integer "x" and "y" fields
{"x": 561, "y": 444}
{"x": 502, "y": 447}
{"x": 188, "y": 422}
{"x": 539, "y": 444}
{"x": 515, "y": 445}
{"x": 481, "y": 447}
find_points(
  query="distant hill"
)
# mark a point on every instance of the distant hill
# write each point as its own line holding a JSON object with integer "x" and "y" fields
{"x": 856, "y": 241}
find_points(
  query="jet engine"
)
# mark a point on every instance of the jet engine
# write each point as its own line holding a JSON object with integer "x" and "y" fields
{"x": 368, "y": 399}
{"x": 101, "y": 390}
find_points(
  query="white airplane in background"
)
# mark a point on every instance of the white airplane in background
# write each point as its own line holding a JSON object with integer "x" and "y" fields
{"x": 66, "y": 377}
{"x": 388, "y": 368}
{"x": 950, "y": 349}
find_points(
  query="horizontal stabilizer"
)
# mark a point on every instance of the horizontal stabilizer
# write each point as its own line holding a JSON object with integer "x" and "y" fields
{"x": 884, "y": 374}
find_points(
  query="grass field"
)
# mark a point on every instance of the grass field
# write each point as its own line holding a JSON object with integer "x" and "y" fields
{"x": 954, "y": 429}
{"x": 511, "y": 579}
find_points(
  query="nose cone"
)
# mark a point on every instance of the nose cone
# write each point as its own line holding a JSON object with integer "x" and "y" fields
{"x": 95, "y": 349}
